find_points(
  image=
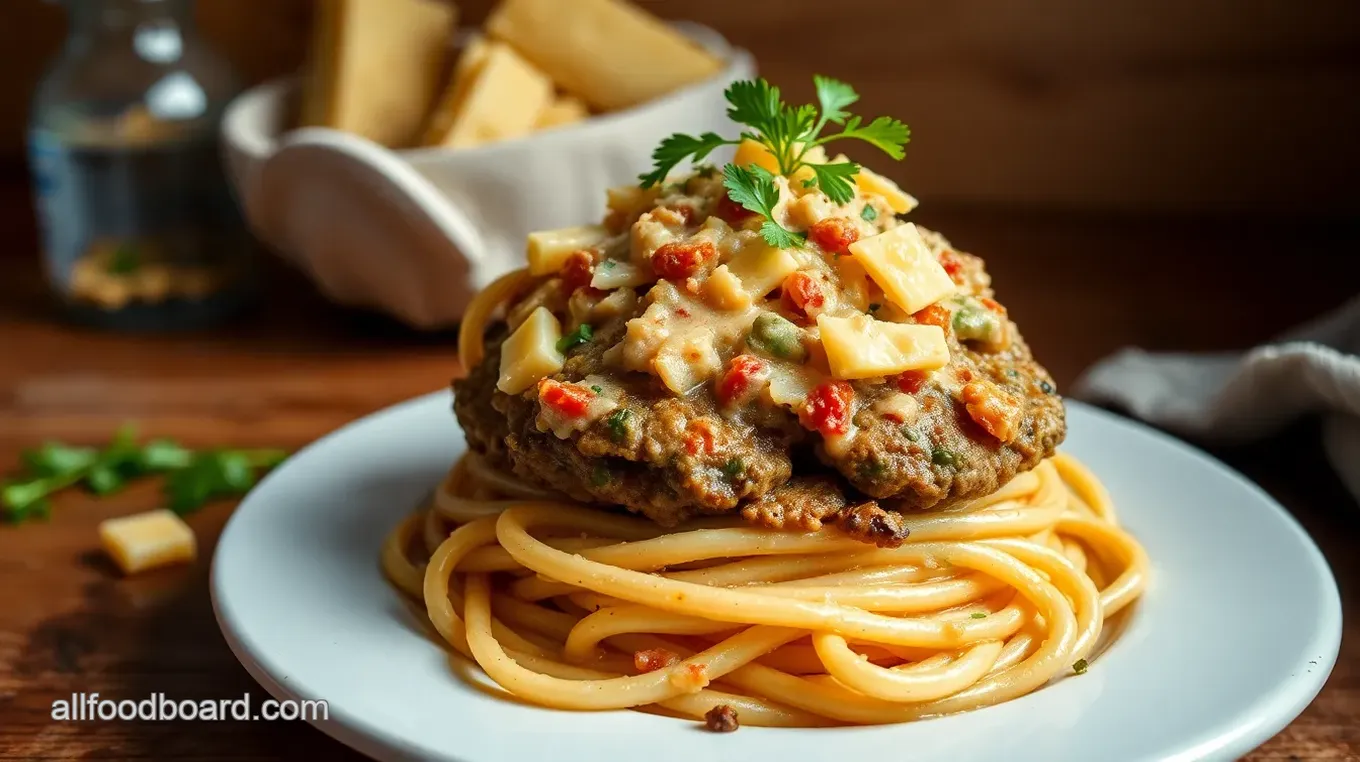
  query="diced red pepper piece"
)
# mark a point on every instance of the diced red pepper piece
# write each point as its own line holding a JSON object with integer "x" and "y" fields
{"x": 804, "y": 294}
{"x": 678, "y": 260}
{"x": 933, "y": 315}
{"x": 834, "y": 235}
{"x": 952, "y": 265}
{"x": 827, "y": 409}
{"x": 731, "y": 212}
{"x": 744, "y": 373}
{"x": 993, "y": 305}
{"x": 911, "y": 381}
{"x": 578, "y": 270}
{"x": 568, "y": 400}
{"x": 653, "y": 659}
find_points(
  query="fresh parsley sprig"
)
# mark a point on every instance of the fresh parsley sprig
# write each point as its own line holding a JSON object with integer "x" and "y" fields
{"x": 191, "y": 477}
{"x": 789, "y": 133}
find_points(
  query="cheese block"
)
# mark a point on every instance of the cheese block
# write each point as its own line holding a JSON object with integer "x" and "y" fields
{"x": 565, "y": 109}
{"x": 468, "y": 66}
{"x": 147, "y": 540}
{"x": 904, "y": 267}
{"x": 753, "y": 152}
{"x": 530, "y": 354}
{"x": 503, "y": 100}
{"x": 761, "y": 268}
{"x": 610, "y": 53}
{"x": 375, "y": 66}
{"x": 548, "y": 249}
{"x": 861, "y": 347}
{"x": 725, "y": 291}
{"x": 870, "y": 182}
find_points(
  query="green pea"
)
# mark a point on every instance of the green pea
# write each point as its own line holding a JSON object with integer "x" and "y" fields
{"x": 773, "y": 336}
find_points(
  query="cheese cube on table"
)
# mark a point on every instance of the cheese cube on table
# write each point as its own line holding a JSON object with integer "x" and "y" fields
{"x": 548, "y": 249}
{"x": 530, "y": 354}
{"x": 862, "y": 347}
{"x": 904, "y": 267}
{"x": 148, "y": 540}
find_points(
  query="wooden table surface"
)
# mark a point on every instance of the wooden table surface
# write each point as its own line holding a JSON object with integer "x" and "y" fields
{"x": 298, "y": 368}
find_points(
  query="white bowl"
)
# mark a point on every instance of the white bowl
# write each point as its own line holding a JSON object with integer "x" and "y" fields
{"x": 416, "y": 233}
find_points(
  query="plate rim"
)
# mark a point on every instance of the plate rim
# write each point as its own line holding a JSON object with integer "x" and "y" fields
{"x": 1273, "y": 714}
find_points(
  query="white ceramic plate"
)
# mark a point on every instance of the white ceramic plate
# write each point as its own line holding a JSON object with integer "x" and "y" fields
{"x": 1236, "y": 634}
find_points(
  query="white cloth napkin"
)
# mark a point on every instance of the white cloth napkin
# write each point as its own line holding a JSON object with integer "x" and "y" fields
{"x": 1237, "y": 397}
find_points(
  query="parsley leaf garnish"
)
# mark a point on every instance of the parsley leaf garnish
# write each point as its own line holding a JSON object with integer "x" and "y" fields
{"x": 788, "y": 133}
{"x": 753, "y": 187}
{"x": 676, "y": 149}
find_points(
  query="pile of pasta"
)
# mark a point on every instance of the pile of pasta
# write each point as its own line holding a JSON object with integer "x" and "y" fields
{"x": 381, "y": 68}
{"x": 576, "y": 607}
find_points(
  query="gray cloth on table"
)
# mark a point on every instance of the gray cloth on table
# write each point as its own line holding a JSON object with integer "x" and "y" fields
{"x": 1238, "y": 397}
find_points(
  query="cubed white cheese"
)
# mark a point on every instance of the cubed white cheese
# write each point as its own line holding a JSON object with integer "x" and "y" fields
{"x": 530, "y": 354}
{"x": 548, "y": 249}
{"x": 616, "y": 273}
{"x": 147, "y": 540}
{"x": 861, "y": 347}
{"x": 761, "y": 268}
{"x": 904, "y": 267}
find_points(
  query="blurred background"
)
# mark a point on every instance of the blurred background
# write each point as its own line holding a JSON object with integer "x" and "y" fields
{"x": 1131, "y": 106}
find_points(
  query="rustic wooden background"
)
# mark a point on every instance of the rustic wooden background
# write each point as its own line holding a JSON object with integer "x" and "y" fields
{"x": 1224, "y": 106}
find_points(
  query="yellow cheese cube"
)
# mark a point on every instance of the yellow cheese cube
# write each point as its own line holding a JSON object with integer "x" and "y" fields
{"x": 752, "y": 152}
{"x": 566, "y": 109}
{"x": 761, "y": 268}
{"x": 503, "y": 101}
{"x": 530, "y": 354}
{"x": 358, "y": 85}
{"x": 899, "y": 200}
{"x": 148, "y": 540}
{"x": 609, "y": 52}
{"x": 724, "y": 290}
{"x": 450, "y": 104}
{"x": 548, "y": 249}
{"x": 861, "y": 347}
{"x": 901, "y": 264}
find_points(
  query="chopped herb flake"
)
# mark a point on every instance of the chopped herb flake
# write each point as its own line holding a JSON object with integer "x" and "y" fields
{"x": 1080, "y": 667}
{"x": 576, "y": 338}
{"x": 618, "y": 424}
{"x": 599, "y": 476}
{"x": 126, "y": 259}
{"x": 869, "y": 214}
{"x": 978, "y": 615}
{"x": 942, "y": 457}
{"x": 1046, "y": 387}
{"x": 733, "y": 467}
{"x": 597, "y": 389}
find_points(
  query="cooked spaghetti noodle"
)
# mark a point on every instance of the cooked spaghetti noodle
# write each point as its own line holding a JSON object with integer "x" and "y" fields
{"x": 570, "y": 606}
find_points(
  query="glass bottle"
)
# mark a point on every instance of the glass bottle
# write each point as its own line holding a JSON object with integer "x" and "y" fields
{"x": 139, "y": 228}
